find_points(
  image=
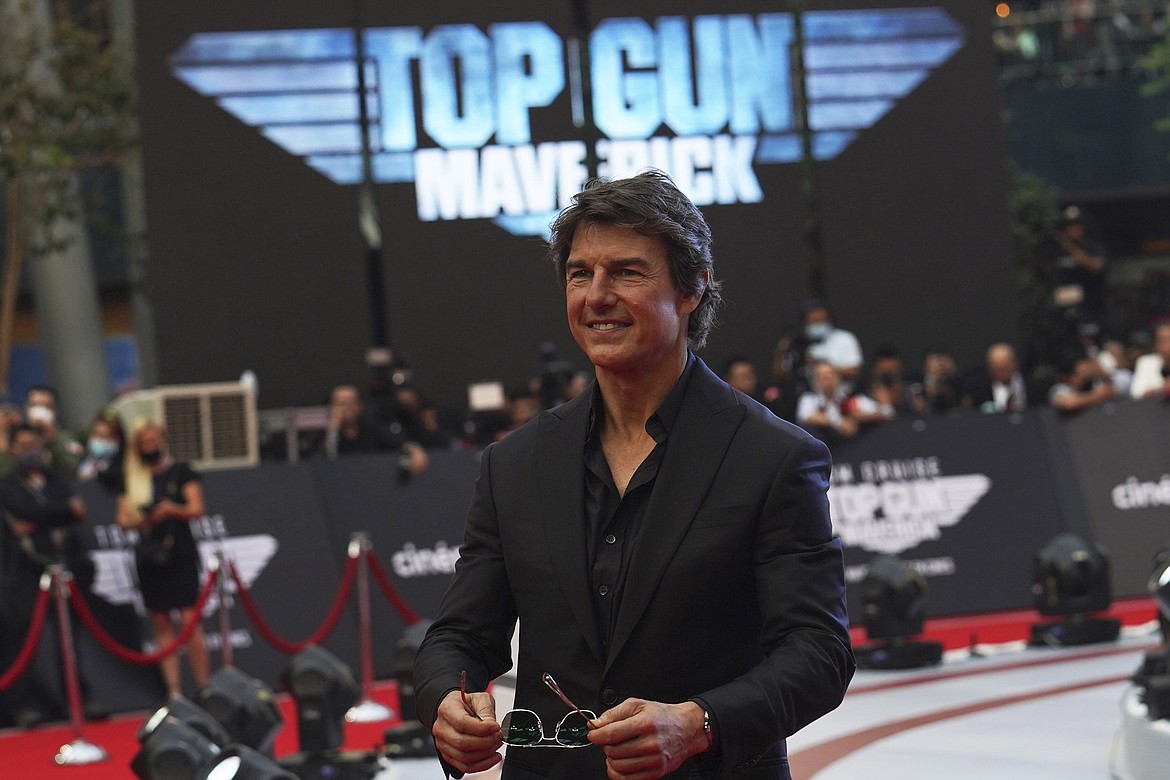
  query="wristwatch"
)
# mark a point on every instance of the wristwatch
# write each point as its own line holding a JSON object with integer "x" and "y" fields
{"x": 707, "y": 729}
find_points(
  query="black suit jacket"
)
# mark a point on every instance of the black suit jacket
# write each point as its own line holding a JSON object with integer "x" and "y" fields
{"x": 735, "y": 595}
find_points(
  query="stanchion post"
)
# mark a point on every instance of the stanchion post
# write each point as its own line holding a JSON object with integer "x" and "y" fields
{"x": 226, "y": 654}
{"x": 79, "y": 751}
{"x": 367, "y": 710}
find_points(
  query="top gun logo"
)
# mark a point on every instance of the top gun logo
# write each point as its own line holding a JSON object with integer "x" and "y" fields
{"x": 705, "y": 99}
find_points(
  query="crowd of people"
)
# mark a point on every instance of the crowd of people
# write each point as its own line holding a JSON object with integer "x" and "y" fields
{"x": 41, "y": 465}
{"x": 835, "y": 394}
{"x": 1077, "y": 41}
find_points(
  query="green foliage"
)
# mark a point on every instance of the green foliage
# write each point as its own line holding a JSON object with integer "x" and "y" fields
{"x": 1032, "y": 204}
{"x": 66, "y": 99}
{"x": 1157, "y": 63}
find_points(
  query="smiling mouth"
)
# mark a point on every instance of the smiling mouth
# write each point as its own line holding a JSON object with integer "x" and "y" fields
{"x": 606, "y": 326}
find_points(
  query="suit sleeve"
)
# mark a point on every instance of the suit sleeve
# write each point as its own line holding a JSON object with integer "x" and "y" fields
{"x": 54, "y": 511}
{"x": 799, "y": 576}
{"x": 473, "y": 630}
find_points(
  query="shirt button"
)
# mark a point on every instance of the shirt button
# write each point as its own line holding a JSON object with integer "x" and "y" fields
{"x": 603, "y": 590}
{"x": 610, "y": 539}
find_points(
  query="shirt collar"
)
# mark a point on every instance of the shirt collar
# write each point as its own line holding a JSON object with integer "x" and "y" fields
{"x": 663, "y": 419}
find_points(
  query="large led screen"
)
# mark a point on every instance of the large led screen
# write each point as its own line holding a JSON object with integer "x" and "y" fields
{"x": 483, "y": 119}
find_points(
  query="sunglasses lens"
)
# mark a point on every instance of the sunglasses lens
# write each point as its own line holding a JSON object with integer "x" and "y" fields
{"x": 521, "y": 727}
{"x": 573, "y": 731}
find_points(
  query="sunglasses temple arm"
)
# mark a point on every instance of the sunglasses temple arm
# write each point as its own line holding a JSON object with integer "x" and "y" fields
{"x": 463, "y": 696}
{"x": 552, "y": 684}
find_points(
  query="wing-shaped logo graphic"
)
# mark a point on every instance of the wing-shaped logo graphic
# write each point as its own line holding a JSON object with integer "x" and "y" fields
{"x": 248, "y": 554}
{"x": 116, "y": 582}
{"x": 897, "y": 515}
{"x": 959, "y": 495}
{"x": 468, "y": 92}
{"x": 114, "y": 578}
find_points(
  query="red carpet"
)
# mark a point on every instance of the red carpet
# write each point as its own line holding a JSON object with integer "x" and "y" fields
{"x": 28, "y": 755}
{"x": 995, "y": 628}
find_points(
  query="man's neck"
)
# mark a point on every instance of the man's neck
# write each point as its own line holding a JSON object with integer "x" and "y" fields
{"x": 629, "y": 399}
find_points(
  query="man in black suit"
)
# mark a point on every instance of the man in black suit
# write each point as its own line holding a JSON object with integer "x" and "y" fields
{"x": 663, "y": 539}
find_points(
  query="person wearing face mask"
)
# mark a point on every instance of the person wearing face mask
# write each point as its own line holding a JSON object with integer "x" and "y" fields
{"x": 160, "y": 498}
{"x": 103, "y": 452}
{"x": 62, "y": 450}
{"x": 41, "y": 512}
{"x": 830, "y": 343}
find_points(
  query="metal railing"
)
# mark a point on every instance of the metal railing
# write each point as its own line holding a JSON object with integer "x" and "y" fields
{"x": 1071, "y": 42}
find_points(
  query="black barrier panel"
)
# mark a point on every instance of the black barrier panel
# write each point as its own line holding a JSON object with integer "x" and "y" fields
{"x": 966, "y": 500}
{"x": 415, "y": 524}
{"x": 1120, "y": 454}
{"x": 286, "y": 529}
{"x": 272, "y": 522}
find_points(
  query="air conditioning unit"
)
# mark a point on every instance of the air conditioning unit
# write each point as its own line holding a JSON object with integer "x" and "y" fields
{"x": 210, "y": 426}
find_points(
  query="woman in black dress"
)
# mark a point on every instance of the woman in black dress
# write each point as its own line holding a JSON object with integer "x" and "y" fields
{"x": 160, "y": 499}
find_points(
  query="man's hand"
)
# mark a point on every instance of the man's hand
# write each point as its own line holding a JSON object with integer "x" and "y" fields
{"x": 644, "y": 740}
{"x": 77, "y": 507}
{"x": 465, "y": 742}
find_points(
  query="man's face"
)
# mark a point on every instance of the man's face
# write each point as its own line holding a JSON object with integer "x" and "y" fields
{"x": 345, "y": 404}
{"x": 826, "y": 379}
{"x": 40, "y": 398}
{"x": 1001, "y": 365}
{"x": 742, "y": 376}
{"x": 26, "y": 443}
{"x": 624, "y": 310}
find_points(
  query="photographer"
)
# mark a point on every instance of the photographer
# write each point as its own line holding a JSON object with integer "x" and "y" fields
{"x": 1076, "y": 264}
{"x": 63, "y": 452}
{"x": 888, "y": 386}
{"x": 41, "y": 512}
{"x": 1083, "y": 385}
{"x": 829, "y": 343}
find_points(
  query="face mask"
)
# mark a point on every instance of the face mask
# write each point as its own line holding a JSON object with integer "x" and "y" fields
{"x": 817, "y": 331}
{"x": 103, "y": 448}
{"x": 41, "y": 415}
{"x": 150, "y": 457}
{"x": 33, "y": 459}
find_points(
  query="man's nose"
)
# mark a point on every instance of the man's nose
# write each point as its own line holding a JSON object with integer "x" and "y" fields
{"x": 600, "y": 294}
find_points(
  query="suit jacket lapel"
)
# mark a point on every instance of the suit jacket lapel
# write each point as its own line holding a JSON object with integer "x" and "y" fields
{"x": 561, "y": 477}
{"x": 706, "y": 424}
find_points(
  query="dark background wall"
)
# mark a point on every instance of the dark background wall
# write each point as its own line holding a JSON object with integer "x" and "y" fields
{"x": 258, "y": 263}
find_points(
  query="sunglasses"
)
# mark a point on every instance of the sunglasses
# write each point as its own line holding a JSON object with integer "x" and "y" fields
{"x": 522, "y": 728}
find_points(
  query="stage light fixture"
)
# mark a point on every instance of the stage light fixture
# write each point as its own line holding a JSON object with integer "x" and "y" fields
{"x": 893, "y": 596}
{"x": 190, "y": 713}
{"x": 245, "y": 706}
{"x": 324, "y": 689}
{"x": 1071, "y": 581}
{"x": 1159, "y": 587}
{"x": 239, "y": 762}
{"x": 172, "y": 750}
{"x": 405, "y": 649}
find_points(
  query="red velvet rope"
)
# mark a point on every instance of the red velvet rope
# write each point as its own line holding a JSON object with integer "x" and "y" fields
{"x": 30, "y": 642}
{"x": 406, "y": 613}
{"x": 274, "y": 639}
{"x": 125, "y": 653}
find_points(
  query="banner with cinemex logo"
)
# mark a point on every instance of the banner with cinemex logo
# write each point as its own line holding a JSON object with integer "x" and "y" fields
{"x": 1121, "y": 458}
{"x": 965, "y": 500}
{"x": 482, "y": 120}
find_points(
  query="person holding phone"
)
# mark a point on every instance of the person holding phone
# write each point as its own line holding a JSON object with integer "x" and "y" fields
{"x": 161, "y": 498}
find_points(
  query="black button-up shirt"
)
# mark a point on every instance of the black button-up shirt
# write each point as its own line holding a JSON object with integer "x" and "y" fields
{"x": 613, "y": 520}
